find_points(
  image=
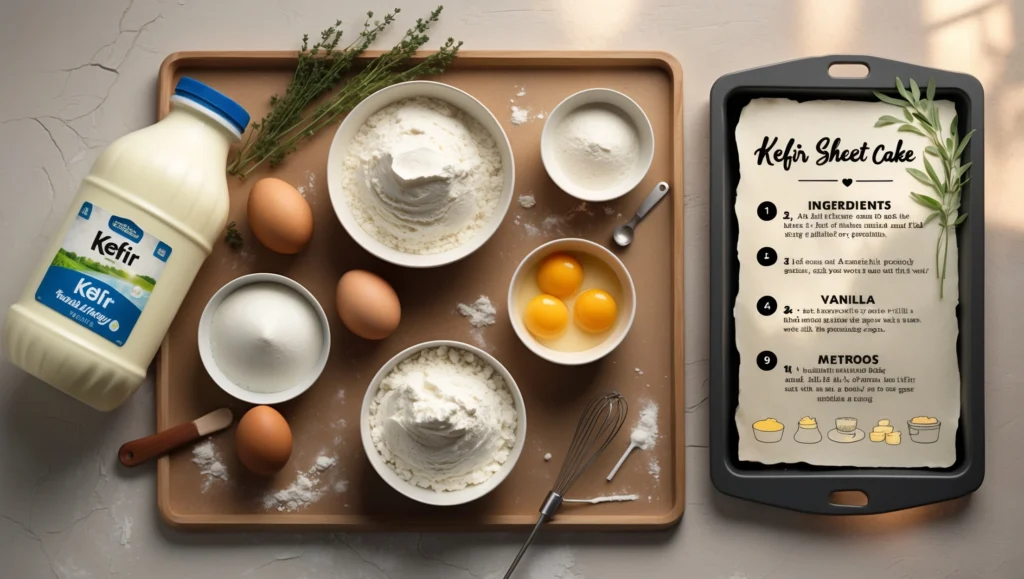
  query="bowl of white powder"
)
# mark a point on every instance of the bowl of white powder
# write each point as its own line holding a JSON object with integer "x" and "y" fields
{"x": 420, "y": 174}
{"x": 597, "y": 145}
{"x": 264, "y": 338}
{"x": 443, "y": 423}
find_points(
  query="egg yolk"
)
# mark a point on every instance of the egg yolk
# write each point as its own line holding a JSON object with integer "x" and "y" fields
{"x": 560, "y": 275}
{"x": 546, "y": 317}
{"x": 595, "y": 311}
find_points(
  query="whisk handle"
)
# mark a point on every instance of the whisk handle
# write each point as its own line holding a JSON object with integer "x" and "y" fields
{"x": 551, "y": 505}
{"x": 547, "y": 512}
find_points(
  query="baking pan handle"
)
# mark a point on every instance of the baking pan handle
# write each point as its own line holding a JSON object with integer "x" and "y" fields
{"x": 814, "y": 72}
{"x": 886, "y": 490}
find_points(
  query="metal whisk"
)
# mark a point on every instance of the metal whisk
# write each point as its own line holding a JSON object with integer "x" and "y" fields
{"x": 598, "y": 425}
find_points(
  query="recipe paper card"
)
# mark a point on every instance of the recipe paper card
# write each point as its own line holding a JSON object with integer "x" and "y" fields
{"x": 845, "y": 327}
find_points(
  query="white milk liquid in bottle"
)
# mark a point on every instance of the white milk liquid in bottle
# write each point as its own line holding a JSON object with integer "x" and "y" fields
{"x": 94, "y": 312}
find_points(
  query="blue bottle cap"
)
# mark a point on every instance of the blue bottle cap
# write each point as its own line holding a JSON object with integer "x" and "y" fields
{"x": 214, "y": 100}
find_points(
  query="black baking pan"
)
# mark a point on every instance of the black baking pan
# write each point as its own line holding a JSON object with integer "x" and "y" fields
{"x": 804, "y": 487}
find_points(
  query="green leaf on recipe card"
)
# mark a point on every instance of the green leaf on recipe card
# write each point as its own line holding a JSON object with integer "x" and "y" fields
{"x": 890, "y": 100}
{"x": 911, "y": 129}
{"x": 903, "y": 91}
{"x": 931, "y": 173}
{"x": 929, "y": 202}
{"x": 915, "y": 91}
{"x": 954, "y": 201}
{"x": 886, "y": 120}
{"x": 963, "y": 144}
{"x": 924, "y": 179}
{"x": 924, "y": 119}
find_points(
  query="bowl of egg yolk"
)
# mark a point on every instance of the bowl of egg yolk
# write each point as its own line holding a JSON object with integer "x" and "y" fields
{"x": 571, "y": 301}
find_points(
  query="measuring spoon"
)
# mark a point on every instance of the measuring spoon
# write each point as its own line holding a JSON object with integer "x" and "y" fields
{"x": 623, "y": 234}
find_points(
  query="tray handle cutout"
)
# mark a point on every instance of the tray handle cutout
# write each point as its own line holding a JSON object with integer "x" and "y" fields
{"x": 846, "y": 70}
{"x": 855, "y": 499}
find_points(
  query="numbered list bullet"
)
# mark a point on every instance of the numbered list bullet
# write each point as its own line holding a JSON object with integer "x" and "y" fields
{"x": 767, "y": 305}
{"x": 766, "y": 360}
{"x": 766, "y": 256}
{"x": 767, "y": 211}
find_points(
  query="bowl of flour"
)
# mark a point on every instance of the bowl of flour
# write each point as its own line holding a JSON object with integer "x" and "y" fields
{"x": 420, "y": 174}
{"x": 597, "y": 145}
{"x": 443, "y": 423}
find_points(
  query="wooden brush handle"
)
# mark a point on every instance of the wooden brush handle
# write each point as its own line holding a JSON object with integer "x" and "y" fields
{"x": 139, "y": 451}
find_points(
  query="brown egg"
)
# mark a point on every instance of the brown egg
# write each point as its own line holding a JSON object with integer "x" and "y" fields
{"x": 367, "y": 305}
{"x": 279, "y": 216}
{"x": 263, "y": 440}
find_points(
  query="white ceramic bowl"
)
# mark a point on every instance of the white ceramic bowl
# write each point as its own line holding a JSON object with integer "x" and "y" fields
{"x": 355, "y": 121}
{"x": 627, "y": 309}
{"x": 430, "y": 496}
{"x": 632, "y": 111}
{"x": 226, "y": 384}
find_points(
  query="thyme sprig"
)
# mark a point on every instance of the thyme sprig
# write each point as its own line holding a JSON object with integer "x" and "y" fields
{"x": 320, "y": 69}
{"x": 232, "y": 237}
{"x": 921, "y": 117}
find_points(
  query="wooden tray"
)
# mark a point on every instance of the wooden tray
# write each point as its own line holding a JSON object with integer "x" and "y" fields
{"x": 648, "y": 365}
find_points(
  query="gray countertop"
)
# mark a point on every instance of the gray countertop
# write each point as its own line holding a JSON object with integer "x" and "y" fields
{"x": 79, "y": 74}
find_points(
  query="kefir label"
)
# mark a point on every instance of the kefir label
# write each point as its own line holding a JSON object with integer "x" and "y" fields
{"x": 104, "y": 273}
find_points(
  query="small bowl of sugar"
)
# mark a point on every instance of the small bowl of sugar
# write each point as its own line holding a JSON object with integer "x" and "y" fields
{"x": 597, "y": 145}
{"x": 264, "y": 338}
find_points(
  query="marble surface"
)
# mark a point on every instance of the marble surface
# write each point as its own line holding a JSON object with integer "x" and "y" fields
{"x": 79, "y": 74}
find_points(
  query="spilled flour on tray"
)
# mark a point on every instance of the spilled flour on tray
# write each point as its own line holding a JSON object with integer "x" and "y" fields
{"x": 645, "y": 431}
{"x": 554, "y": 224}
{"x": 654, "y": 469}
{"x": 604, "y": 499}
{"x": 308, "y": 189}
{"x": 480, "y": 314}
{"x": 306, "y": 489}
{"x": 206, "y": 457}
{"x": 519, "y": 115}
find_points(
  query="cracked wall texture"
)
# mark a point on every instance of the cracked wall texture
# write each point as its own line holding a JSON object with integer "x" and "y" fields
{"x": 77, "y": 75}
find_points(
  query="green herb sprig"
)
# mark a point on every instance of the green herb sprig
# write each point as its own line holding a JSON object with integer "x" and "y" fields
{"x": 232, "y": 237}
{"x": 389, "y": 68}
{"x": 318, "y": 69}
{"x": 921, "y": 117}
